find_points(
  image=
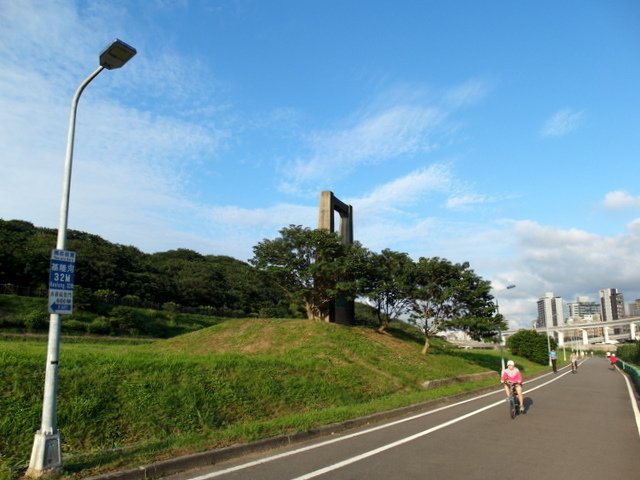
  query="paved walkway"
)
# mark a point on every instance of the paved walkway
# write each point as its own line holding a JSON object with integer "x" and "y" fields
{"x": 578, "y": 426}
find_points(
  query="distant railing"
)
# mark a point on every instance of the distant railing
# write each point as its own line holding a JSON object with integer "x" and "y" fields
{"x": 633, "y": 372}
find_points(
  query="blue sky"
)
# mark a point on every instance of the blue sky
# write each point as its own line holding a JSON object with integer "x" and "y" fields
{"x": 501, "y": 133}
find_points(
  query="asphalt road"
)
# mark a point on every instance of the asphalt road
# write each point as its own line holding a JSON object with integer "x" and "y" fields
{"x": 577, "y": 426}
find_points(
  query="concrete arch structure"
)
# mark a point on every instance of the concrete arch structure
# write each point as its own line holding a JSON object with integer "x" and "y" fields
{"x": 341, "y": 310}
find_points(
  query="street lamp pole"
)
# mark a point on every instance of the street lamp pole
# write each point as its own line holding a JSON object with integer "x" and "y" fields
{"x": 548, "y": 341}
{"x": 508, "y": 287}
{"x": 46, "y": 456}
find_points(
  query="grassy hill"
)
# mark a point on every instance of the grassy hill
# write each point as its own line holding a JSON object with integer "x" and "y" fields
{"x": 125, "y": 404}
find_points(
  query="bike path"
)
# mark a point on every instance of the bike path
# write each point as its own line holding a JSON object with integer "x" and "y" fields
{"x": 577, "y": 426}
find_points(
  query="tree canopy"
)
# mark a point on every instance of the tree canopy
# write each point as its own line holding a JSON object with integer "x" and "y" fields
{"x": 451, "y": 296}
{"x": 111, "y": 272}
{"x": 388, "y": 285}
{"x": 312, "y": 267}
{"x": 296, "y": 274}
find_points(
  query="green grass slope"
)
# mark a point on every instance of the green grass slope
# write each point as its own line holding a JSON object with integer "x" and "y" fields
{"x": 122, "y": 405}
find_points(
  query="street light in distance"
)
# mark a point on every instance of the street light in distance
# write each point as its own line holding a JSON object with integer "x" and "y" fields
{"x": 508, "y": 287}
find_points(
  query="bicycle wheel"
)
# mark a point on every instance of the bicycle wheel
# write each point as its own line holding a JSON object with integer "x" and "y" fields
{"x": 511, "y": 402}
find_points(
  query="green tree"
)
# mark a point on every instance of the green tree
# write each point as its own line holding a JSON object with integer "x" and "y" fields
{"x": 450, "y": 296}
{"x": 388, "y": 286}
{"x": 194, "y": 281}
{"x": 248, "y": 290}
{"x": 312, "y": 267}
{"x": 478, "y": 318}
{"x": 25, "y": 253}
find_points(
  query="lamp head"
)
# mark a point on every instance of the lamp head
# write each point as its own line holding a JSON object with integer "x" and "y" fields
{"x": 116, "y": 55}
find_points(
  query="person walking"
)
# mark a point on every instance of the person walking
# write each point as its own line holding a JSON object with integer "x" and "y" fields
{"x": 553, "y": 356}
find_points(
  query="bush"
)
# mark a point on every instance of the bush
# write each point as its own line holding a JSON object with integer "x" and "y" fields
{"x": 99, "y": 326}
{"x": 70, "y": 325}
{"x": 35, "y": 320}
{"x": 131, "y": 300}
{"x": 82, "y": 298}
{"x": 106, "y": 296}
{"x": 630, "y": 353}
{"x": 531, "y": 345}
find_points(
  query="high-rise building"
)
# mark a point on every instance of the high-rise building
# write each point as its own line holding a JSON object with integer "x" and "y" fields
{"x": 612, "y": 304}
{"x": 634, "y": 308}
{"x": 550, "y": 311}
{"x": 583, "y": 308}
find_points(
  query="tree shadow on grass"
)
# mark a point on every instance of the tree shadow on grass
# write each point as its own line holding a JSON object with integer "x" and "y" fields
{"x": 484, "y": 360}
{"x": 405, "y": 335}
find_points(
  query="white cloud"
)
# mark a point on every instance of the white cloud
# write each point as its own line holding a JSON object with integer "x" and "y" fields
{"x": 467, "y": 93}
{"x": 569, "y": 262}
{"x": 562, "y": 123}
{"x": 407, "y": 190}
{"x": 462, "y": 200}
{"x": 620, "y": 200}
{"x": 132, "y": 168}
{"x": 384, "y": 136}
{"x": 402, "y": 122}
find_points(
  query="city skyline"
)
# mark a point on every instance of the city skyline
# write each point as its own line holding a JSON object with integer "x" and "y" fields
{"x": 584, "y": 306}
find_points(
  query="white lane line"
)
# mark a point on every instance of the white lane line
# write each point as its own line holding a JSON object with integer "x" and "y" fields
{"x": 408, "y": 439}
{"x": 389, "y": 446}
{"x": 632, "y": 397}
{"x": 356, "y": 434}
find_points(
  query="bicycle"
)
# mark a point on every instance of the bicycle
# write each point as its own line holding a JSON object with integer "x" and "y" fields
{"x": 574, "y": 366}
{"x": 512, "y": 400}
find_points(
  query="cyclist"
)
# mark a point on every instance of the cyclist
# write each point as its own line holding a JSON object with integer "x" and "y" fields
{"x": 511, "y": 375}
{"x": 613, "y": 359}
{"x": 574, "y": 361}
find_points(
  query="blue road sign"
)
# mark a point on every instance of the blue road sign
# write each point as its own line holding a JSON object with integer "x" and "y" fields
{"x": 61, "y": 275}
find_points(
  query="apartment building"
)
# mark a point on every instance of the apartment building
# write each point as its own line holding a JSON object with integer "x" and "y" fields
{"x": 550, "y": 311}
{"x": 612, "y": 304}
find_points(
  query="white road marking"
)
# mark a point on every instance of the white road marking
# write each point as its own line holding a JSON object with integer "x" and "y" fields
{"x": 632, "y": 397}
{"x": 410, "y": 438}
{"x": 369, "y": 430}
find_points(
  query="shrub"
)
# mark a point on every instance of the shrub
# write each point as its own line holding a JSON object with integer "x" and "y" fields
{"x": 70, "y": 325}
{"x": 531, "y": 345}
{"x": 106, "y": 296}
{"x": 630, "y": 353}
{"x": 99, "y": 326}
{"x": 82, "y": 298}
{"x": 131, "y": 300}
{"x": 35, "y": 320}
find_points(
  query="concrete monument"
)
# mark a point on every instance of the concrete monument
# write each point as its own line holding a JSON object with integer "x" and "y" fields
{"x": 341, "y": 310}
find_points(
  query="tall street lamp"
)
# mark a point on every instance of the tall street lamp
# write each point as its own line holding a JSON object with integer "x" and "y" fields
{"x": 45, "y": 455}
{"x": 546, "y": 323}
{"x": 508, "y": 287}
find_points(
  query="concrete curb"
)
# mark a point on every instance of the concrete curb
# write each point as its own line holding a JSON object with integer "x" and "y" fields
{"x": 461, "y": 379}
{"x": 203, "y": 459}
